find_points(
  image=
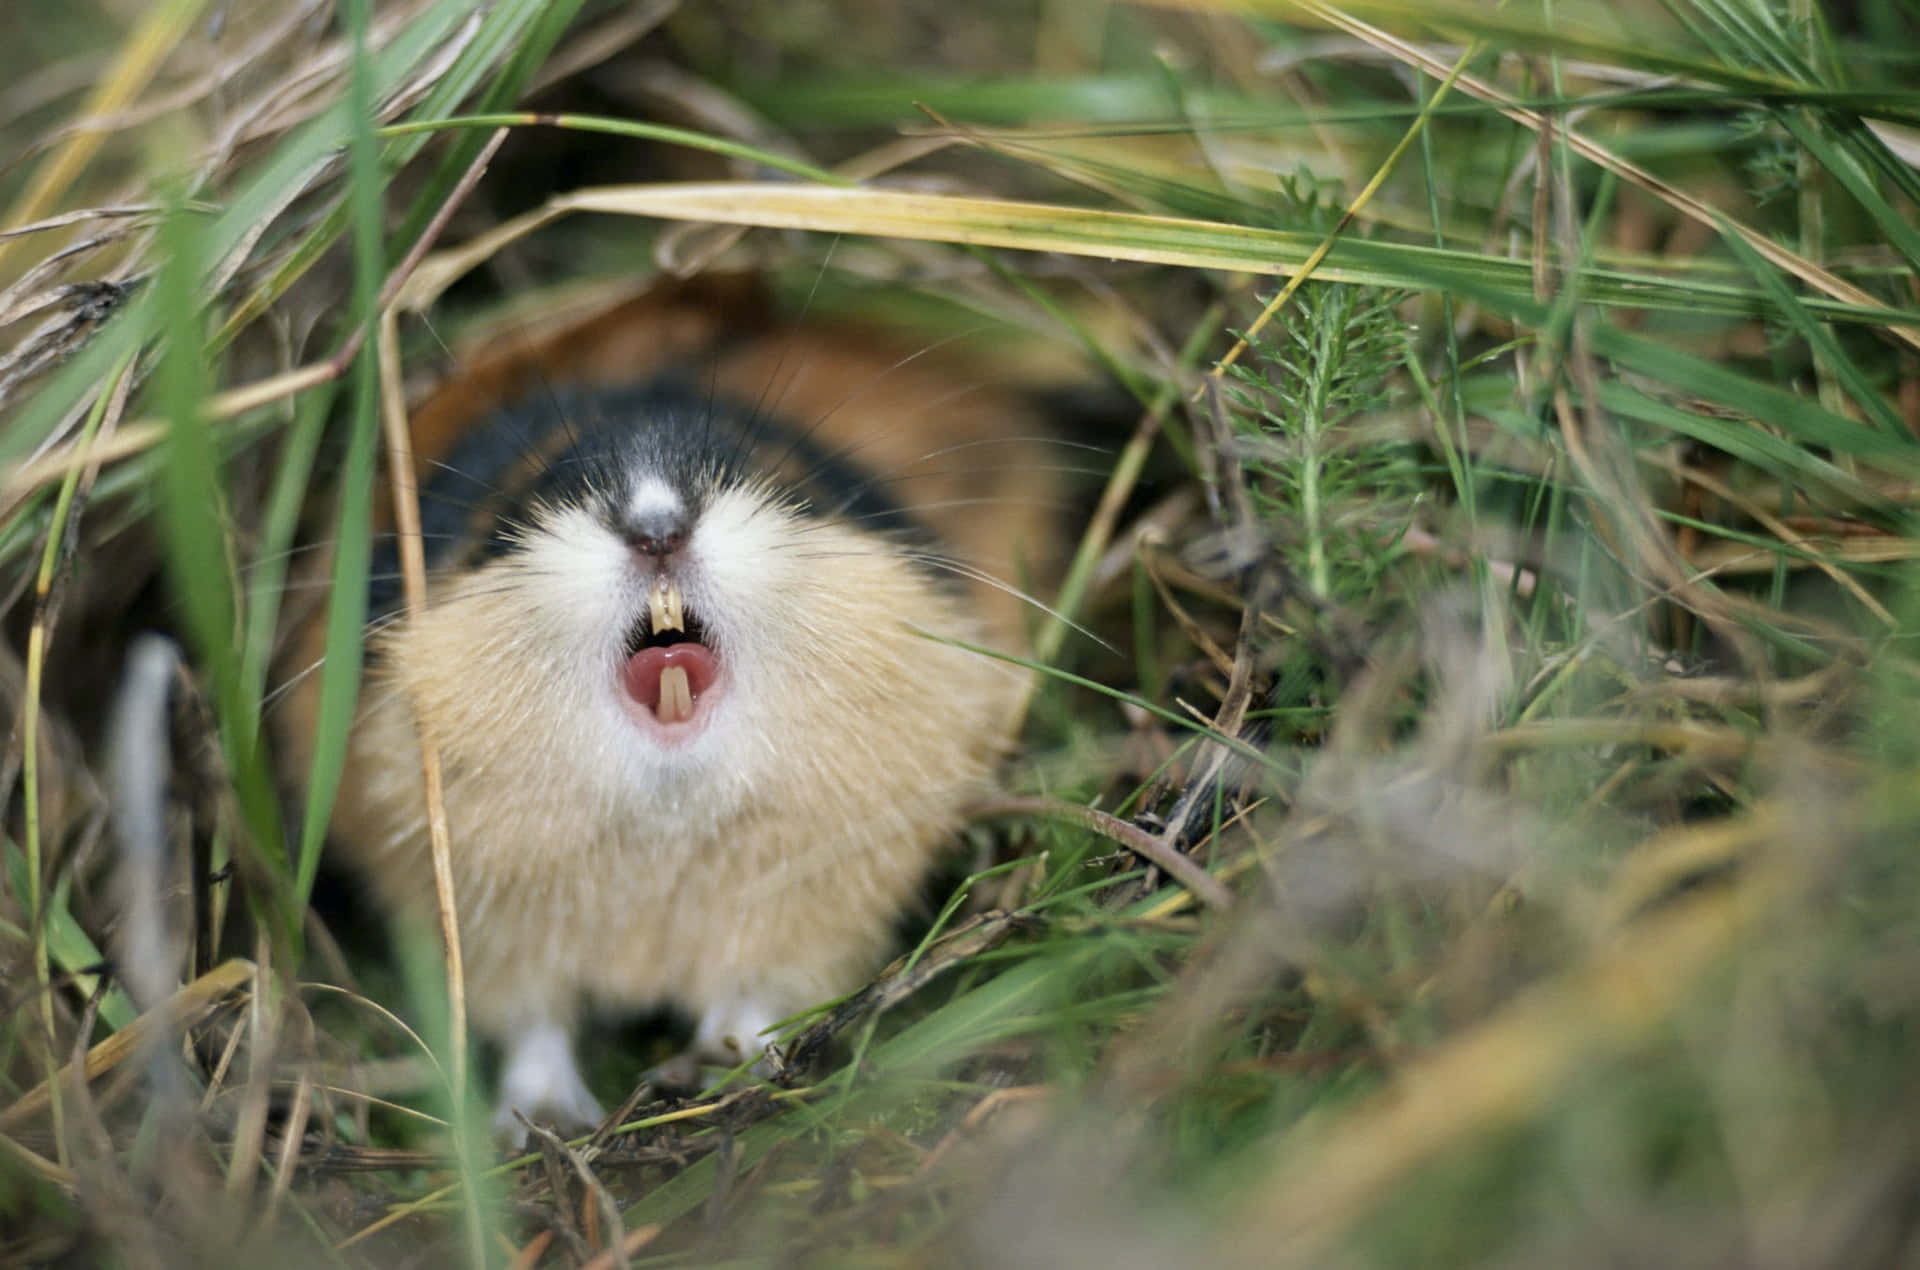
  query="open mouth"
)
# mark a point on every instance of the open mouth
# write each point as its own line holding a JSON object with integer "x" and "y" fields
{"x": 669, "y": 667}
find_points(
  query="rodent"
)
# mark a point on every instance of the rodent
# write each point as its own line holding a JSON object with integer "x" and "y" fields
{"x": 685, "y": 653}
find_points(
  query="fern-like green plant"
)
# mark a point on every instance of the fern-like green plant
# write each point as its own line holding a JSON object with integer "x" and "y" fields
{"x": 1334, "y": 505}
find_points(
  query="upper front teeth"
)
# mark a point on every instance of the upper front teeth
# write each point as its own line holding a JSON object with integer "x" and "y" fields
{"x": 665, "y": 607}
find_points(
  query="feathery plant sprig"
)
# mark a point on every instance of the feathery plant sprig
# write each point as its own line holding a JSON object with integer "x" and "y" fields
{"x": 1331, "y": 359}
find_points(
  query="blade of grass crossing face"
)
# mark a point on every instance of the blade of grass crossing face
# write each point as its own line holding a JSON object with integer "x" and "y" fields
{"x": 348, "y": 607}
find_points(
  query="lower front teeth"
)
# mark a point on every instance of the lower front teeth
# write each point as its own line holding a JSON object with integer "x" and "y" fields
{"x": 676, "y": 696}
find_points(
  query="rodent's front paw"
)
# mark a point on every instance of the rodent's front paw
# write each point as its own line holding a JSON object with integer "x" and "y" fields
{"x": 543, "y": 1084}
{"x": 730, "y": 1033}
{"x": 683, "y": 1072}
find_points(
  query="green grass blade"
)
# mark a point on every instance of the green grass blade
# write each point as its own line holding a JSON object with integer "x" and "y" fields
{"x": 353, "y": 532}
{"x": 1825, "y": 347}
{"x": 279, "y": 524}
{"x": 196, "y": 536}
{"x": 1897, "y": 228}
{"x": 68, "y": 944}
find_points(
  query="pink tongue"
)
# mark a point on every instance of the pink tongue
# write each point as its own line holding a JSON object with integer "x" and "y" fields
{"x": 643, "y": 670}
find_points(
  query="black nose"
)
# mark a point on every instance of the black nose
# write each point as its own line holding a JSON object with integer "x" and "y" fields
{"x": 657, "y": 534}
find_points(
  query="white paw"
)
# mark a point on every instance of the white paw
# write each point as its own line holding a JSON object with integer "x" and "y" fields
{"x": 682, "y": 1071}
{"x": 728, "y": 1036}
{"x": 732, "y": 1033}
{"x": 542, "y": 1083}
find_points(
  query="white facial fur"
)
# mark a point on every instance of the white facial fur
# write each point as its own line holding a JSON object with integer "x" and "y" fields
{"x": 580, "y": 590}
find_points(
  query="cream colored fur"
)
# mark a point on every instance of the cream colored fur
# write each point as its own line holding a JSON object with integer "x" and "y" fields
{"x": 759, "y": 869}
{"x": 745, "y": 875}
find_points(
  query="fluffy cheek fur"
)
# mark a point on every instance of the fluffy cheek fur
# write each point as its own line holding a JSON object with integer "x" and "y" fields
{"x": 760, "y": 864}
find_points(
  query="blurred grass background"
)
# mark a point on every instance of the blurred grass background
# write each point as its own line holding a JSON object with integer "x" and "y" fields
{"x": 1500, "y": 529}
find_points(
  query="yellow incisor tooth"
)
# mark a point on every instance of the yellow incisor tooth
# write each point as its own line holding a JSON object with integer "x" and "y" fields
{"x": 676, "y": 696}
{"x": 664, "y": 603}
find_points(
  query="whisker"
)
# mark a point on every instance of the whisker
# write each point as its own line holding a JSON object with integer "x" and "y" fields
{"x": 322, "y": 584}
{"x": 902, "y": 477}
{"x": 854, "y": 394}
{"x": 947, "y": 504}
{"x": 817, "y": 524}
{"x": 759, "y": 416}
{"x": 1023, "y": 439}
{"x": 322, "y": 544}
{"x": 975, "y": 574}
{"x": 806, "y": 435}
{"x": 464, "y": 475}
{"x": 280, "y": 690}
{"x": 498, "y": 412}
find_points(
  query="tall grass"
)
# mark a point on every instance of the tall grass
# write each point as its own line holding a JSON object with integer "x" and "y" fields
{"x": 1504, "y": 584}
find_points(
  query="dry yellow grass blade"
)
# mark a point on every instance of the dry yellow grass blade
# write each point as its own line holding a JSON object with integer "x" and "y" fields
{"x": 139, "y": 58}
{"x": 406, "y": 512}
{"x": 1496, "y": 1076}
{"x": 38, "y": 1165}
{"x": 975, "y": 222}
{"x": 1663, "y": 863}
{"x": 1696, "y": 740}
{"x": 193, "y": 1002}
{"x": 140, "y": 435}
{"x": 1740, "y": 557}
